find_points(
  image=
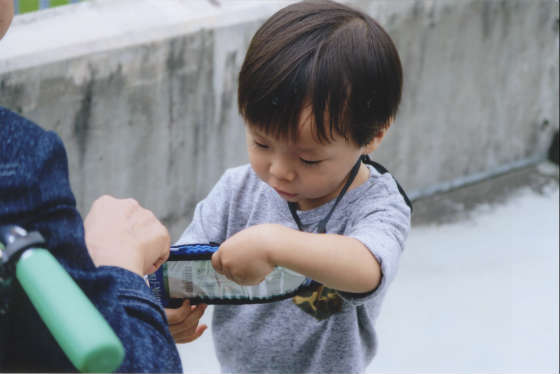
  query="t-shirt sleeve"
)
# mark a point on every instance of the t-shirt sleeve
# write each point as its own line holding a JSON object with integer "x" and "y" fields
{"x": 209, "y": 223}
{"x": 383, "y": 230}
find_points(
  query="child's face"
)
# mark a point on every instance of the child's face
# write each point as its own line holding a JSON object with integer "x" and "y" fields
{"x": 305, "y": 171}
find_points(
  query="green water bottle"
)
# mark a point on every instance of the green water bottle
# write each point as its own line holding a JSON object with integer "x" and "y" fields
{"x": 81, "y": 331}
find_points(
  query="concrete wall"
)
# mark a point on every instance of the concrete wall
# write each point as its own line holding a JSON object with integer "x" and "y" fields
{"x": 144, "y": 95}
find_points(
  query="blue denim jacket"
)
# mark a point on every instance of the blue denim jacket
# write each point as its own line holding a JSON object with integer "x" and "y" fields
{"x": 35, "y": 194}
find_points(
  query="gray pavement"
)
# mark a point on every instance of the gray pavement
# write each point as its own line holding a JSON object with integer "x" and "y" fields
{"x": 477, "y": 290}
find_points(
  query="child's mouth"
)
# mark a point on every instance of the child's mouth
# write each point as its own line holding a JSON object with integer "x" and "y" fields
{"x": 284, "y": 194}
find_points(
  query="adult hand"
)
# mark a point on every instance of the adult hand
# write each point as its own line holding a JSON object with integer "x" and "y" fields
{"x": 183, "y": 322}
{"x": 6, "y": 15}
{"x": 245, "y": 257}
{"x": 120, "y": 232}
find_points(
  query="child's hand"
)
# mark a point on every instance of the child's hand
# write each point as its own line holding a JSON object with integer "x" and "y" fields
{"x": 183, "y": 322}
{"x": 245, "y": 257}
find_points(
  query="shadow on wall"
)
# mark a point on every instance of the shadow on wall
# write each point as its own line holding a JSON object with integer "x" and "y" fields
{"x": 553, "y": 152}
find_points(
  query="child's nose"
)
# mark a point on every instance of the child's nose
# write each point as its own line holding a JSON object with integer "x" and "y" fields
{"x": 282, "y": 170}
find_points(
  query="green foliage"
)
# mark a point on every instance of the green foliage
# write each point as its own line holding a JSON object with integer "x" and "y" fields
{"x": 26, "y": 6}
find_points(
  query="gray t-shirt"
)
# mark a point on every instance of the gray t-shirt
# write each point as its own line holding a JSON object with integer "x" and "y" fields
{"x": 321, "y": 332}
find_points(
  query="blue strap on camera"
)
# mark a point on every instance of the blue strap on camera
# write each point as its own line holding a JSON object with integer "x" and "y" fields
{"x": 189, "y": 274}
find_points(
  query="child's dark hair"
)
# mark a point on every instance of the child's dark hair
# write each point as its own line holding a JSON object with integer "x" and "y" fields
{"x": 327, "y": 55}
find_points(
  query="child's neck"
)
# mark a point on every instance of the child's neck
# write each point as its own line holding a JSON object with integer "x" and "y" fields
{"x": 361, "y": 177}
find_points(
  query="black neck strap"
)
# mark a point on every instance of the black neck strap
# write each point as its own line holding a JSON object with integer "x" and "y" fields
{"x": 381, "y": 169}
{"x": 322, "y": 228}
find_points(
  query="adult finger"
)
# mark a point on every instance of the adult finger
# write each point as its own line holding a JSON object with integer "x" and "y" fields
{"x": 157, "y": 237}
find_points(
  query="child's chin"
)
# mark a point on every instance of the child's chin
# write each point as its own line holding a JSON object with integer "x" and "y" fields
{"x": 290, "y": 199}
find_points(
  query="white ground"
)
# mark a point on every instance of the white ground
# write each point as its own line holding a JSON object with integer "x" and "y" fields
{"x": 480, "y": 295}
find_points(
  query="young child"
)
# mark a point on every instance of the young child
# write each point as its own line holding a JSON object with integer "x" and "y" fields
{"x": 318, "y": 89}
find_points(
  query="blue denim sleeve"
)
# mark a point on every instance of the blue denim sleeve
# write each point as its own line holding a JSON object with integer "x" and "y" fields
{"x": 137, "y": 318}
{"x": 35, "y": 194}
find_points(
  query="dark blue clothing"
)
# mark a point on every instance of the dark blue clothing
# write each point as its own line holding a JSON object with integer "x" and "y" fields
{"x": 35, "y": 194}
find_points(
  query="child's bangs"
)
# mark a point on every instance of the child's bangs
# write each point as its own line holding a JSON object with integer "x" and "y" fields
{"x": 274, "y": 106}
{"x": 278, "y": 111}
{"x": 335, "y": 82}
{"x": 348, "y": 73}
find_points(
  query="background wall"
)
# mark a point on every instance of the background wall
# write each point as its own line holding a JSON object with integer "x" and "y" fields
{"x": 143, "y": 93}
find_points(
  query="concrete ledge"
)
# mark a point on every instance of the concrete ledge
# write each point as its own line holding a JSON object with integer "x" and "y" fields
{"x": 95, "y": 26}
{"x": 463, "y": 202}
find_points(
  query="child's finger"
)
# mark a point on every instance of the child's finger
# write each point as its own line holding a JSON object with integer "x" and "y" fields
{"x": 185, "y": 331}
{"x": 217, "y": 262}
{"x": 187, "y": 338}
{"x": 178, "y": 315}
{"x": 189, "y": 323}
{"x": 197, "y": 312}
{"x": 194, "y": 316}
{"x": 218, "y": 265}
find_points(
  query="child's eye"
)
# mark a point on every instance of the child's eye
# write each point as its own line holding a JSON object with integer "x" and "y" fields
{"x": 309, "y": 162}
{"x": 260, "y": 145}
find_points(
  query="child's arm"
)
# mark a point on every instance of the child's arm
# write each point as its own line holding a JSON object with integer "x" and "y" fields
{"x": 338, "y": 262}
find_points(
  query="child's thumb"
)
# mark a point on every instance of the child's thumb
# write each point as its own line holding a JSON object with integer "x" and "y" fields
{"x": 217, "y": 262}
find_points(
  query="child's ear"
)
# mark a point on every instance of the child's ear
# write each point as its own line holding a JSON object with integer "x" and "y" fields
{"x": 374, "y": 143}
